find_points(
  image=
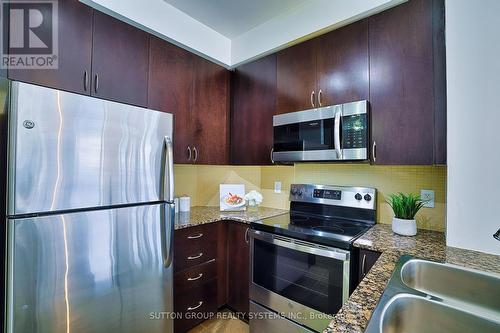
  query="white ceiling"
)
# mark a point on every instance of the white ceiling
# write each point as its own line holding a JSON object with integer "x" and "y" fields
{"x": 232, "y": 32}
{"x": 232, "y": 18}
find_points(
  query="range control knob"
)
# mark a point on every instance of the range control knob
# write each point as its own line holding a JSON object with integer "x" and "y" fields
{"x": 368, "y": 197}
{"x": 293, "y": 191}
{"x": 358, "y": 196}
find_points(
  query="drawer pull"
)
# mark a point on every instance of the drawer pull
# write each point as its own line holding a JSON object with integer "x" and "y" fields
{"x": 200, "y": 303}
{"x": 195, "y": 278}
{"x": 196, "y": 257}
{"x": 197, "y": 236}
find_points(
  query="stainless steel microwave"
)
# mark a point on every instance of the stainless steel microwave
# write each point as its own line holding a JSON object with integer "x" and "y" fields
{"x": 331, "y": 133}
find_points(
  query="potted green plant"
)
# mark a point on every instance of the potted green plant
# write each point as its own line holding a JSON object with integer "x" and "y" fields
{"x": 405, "y": 207}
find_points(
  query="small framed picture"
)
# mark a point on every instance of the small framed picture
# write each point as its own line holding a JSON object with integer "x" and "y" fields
{"x": 232, "y": 197}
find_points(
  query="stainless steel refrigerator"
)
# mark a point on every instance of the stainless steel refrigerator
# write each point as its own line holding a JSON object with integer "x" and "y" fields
{"x": 89, "y": 214}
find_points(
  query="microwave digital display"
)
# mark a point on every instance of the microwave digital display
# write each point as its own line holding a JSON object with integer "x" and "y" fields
{"x": 354, "y": 131}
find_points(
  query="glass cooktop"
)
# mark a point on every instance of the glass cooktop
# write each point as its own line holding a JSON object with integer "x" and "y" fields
{"x": 328, "y": 231}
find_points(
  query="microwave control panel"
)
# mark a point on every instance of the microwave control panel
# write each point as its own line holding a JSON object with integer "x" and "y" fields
{"x": 354, "y": 131}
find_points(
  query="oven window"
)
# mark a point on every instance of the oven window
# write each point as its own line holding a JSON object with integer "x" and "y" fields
{"x": 307, "y": 279}
{"x": 309, "y": 135}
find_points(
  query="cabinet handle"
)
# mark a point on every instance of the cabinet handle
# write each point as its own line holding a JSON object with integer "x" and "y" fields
{"x": 96, "y": 83}
{"x": 271, "y": 155}
{"x": 195, "y": 278}
{"x": 312, "y": 99}
{"x": 195, "y": 257}
{"x": 195, "y": 154}
{"x": 374, "y": 151}
{"x": 363, "y": 262}
{"x": 189, "y": 153}
{"x": 247, "y": 239}
{"x": 319, "y": 97}
{"x": 194, "y": 237}
{"x": 85, "y": 80}
{"x": 200, "y": 303}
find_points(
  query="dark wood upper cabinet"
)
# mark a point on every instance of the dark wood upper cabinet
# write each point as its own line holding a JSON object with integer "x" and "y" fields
{"x": 327, "y": 70}
{"x": 253, "y": 91}
{"x": 406, "y": 90}
{"x": 238, "y": 278}
{"x": 210, "y": 113}
{"x": 196, "y": 91}
{"x": 170, "y": 89}
{"x": 74, "y": 52}
{"x": 343, "y": 65}
{"x": 296, "y": 78}
{"x": 120, "y": 61}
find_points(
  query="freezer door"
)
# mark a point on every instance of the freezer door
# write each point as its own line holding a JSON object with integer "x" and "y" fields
{"x": 69, "y": 151}
{"x": 100, "y": 271}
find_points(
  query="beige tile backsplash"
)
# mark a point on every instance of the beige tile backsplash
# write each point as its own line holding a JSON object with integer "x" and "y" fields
{"x": 201, "y": 182}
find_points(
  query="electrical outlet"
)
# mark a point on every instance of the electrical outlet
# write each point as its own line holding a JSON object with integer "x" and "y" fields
{"x": 277, "y": 187}
{"x": 428, "y": 197}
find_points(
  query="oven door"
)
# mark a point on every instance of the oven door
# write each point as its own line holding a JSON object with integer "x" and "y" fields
{"x": 312, "y": 135}
{"x": 305, "y": 282}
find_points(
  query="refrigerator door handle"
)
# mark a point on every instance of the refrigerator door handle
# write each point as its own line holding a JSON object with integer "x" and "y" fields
{"x": 167, "y": 234}
{"x": 168, "y": 171}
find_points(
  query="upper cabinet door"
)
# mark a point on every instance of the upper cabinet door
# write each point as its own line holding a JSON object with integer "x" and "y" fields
{"x": 74, "y": 52}
{"x": 253, "y": 104}
{"x": 210, "y": 113}
{"x": 170, "y": 89}
{"x": 296, "y": 78}
{"x": 402, "y": 84}
{"x": 120, "y": 61}
{"x": 343, "y": 66}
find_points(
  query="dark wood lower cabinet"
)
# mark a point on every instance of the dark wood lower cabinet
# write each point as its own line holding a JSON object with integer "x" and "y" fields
{"x": 196, "y": 275}
{"x": 222, "y": 264}
{"x": 201, "y": 286}
{"x": 238, "y": 248}
{"x": 196, "y": 306}
{"x": 367, "y": 259}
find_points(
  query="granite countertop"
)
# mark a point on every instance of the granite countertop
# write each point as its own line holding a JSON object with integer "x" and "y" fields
{"x": 355, "y": 313}
{"x": 203, "y": 215}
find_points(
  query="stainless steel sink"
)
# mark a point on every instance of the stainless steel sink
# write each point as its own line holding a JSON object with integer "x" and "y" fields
{"x": 474, "y": 290}
{"x": 410, "y": 313}
{"x": 424, "y": 296}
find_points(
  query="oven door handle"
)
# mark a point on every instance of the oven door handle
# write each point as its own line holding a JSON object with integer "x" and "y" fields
{"x": 300, "y": 246}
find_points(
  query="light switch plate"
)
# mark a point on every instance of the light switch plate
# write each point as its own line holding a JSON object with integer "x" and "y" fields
{"x": 277, "y": 187}
{"x": 428, "y": 197}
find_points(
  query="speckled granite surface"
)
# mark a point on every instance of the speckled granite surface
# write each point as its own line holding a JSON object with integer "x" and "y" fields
{"x": 203, "y": 215}
{"x": 355, "y": 314}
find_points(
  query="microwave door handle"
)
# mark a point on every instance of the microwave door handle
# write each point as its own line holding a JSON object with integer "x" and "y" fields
{"x": 336, "y": 140}
{"x": 168, "y": 171}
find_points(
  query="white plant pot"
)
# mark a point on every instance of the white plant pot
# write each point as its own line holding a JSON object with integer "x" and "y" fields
{"x": 404, "y": 227}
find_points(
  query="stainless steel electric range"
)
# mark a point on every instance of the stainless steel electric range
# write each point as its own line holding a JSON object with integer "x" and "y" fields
{"x": 303, "y": 267}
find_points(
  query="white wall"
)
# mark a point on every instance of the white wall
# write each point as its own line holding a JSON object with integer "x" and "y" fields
{"x": 308, "y": 19}
{"x": 473, "y": 84}
{"x": 167, "y": 22}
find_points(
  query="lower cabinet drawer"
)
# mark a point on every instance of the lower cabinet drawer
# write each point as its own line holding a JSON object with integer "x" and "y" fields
{"x": 194, "y": 245}
{"x": 195, "y": 276}
{"x": 195, "y": 306}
